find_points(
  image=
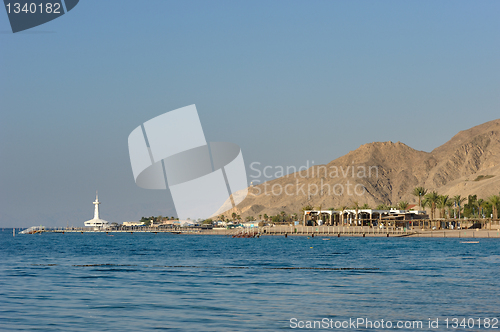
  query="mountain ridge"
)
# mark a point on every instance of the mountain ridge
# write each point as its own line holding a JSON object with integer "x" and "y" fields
{"x": 454, "y": 168}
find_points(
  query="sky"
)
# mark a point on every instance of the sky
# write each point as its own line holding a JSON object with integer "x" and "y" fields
{"x": 288, "y": 81}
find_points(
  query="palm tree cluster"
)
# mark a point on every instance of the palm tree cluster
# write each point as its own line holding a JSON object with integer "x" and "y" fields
{"x": 148, "y": 220}
{"x": 452, "y": 207}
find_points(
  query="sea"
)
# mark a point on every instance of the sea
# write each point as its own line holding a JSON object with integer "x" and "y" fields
{"x": 154, "y": 282}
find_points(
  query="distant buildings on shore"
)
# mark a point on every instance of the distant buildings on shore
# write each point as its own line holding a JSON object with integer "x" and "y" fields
{"x": 310, "y": 218}
{"x": 359, "y": 216}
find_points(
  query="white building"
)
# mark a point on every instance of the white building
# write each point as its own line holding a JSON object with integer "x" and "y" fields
{"x": 133, "y": 223}
{"x": 358, "y": 217}
{"x": 96, "y": 222}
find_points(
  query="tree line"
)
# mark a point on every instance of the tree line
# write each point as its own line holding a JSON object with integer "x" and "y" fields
{"x": 454, "y": 207}
{"x": 147, "y": 220}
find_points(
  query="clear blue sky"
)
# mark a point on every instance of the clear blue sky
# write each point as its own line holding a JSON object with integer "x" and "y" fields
{"x": 289, "y": 81}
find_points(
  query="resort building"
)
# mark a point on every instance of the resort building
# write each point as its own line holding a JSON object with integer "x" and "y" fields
{"x": 360, "y": 217}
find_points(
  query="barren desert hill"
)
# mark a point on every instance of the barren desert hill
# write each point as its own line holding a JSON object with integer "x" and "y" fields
{"x": 386, "y": 173}
{"x": 467, "y": 153}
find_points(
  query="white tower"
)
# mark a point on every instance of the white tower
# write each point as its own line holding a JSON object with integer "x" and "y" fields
{"x": 96, "y": 208}
{"x": 96, "y": 222}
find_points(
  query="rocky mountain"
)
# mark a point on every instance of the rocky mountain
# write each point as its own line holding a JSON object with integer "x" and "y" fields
{"x": 386, "y": 173}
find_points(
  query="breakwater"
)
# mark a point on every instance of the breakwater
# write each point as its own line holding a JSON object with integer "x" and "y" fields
{"x": 328, "y": 231}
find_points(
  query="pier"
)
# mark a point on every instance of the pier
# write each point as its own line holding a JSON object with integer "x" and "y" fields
{"x": 472, "y": 230}
{"x": 367, "y": 231}
{"x": 125, "y": 229}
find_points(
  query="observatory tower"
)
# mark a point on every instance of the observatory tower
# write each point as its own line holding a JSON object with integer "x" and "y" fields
{"x": 96, "y": 222}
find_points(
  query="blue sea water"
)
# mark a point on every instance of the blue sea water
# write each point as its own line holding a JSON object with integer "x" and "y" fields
{"x": 148, "y": 282}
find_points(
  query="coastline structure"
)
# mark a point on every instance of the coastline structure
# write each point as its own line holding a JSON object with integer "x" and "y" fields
{"x": 361, "y": 217}
{"x": 491, "y": 229}
{"x": 96, "y": 222}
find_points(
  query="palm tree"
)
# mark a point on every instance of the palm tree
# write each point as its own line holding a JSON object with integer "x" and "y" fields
{"x": 495, "y": 202}
{"x": 458, "y": 200}
{"x": 356, "y": 207}
{"x": 470, "y": 207}
{"x": 234, "y": 216}
{"x": 480, "y": 204}
{"x": 441, "y": 204}
{"x": 266, "y": 216}
{"x": 419, "y": 192}
{"x": 431, "y": 199}
{"x": 403, "y": 205}
{"x": 449, "y": 205}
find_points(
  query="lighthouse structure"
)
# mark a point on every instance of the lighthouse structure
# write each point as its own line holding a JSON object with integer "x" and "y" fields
{"x": 96, "y": 222}
{"x": 96, "y": 207}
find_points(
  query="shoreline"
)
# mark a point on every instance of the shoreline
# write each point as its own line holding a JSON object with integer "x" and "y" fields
{"x": 285, "y": 231}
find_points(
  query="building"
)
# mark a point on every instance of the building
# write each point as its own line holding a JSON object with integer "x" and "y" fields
{"x": 359, "y": 217}
{"x": 96, "y": 222}
{"x": 133, "y": 223}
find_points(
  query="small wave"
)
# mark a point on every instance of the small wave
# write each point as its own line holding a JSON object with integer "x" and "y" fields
{"x": 44, "y": 264}
{"x": 94, "y": 265}
{"x": 228, "y": 267}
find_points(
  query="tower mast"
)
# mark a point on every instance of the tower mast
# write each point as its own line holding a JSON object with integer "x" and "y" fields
{"x": 96, "y": 208}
